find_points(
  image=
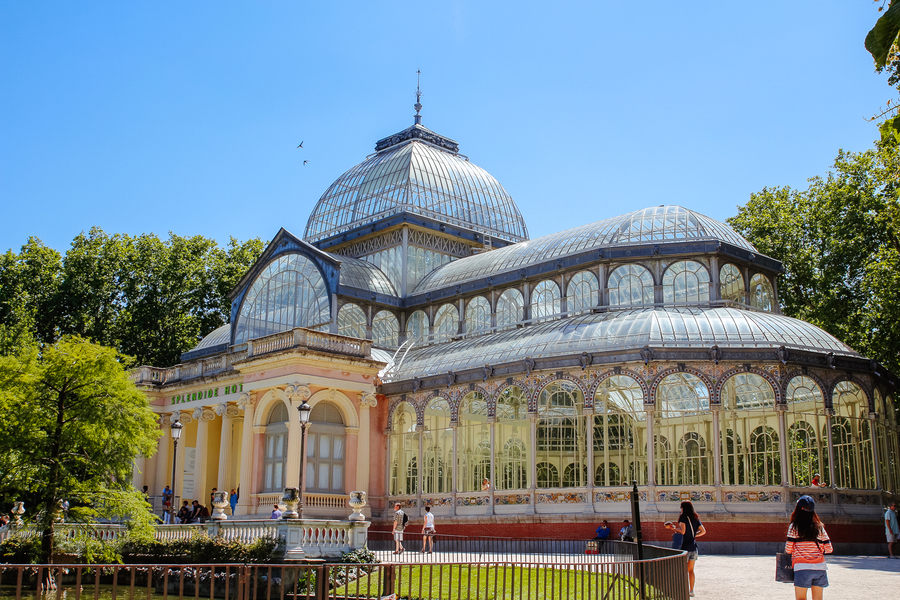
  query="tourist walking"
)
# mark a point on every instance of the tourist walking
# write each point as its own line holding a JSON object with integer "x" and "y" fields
{"x": 400, "y": 520}
{"x": 891, "y": 528}
{"x": 428, "y": 530}
{"x": 690, "y": 527}
{"x": 807, "y": 543}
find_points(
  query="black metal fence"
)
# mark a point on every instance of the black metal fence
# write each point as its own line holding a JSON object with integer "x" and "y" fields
{"x": 660, "y": 578}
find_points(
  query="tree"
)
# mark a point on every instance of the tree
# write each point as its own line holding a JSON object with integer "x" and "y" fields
{"x": 839, "y": 241}
{"x": 73, "y": 425}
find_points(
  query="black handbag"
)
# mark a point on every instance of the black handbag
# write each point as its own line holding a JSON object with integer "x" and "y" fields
{"x": 784, "y": 567}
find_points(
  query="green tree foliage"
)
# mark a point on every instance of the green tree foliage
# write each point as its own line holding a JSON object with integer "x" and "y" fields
{"x": 883, "y": 37}
{"x": 73, "y": 424}
{"x": 150, "y": 298}
{"x": 839, "y": 241}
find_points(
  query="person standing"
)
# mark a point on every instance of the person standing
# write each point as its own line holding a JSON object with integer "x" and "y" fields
{"x": 807, "y": 543}
{"x": 428, "y": 530}
{"x": 397, "y": 529}
{"x": 690, "y": 527}
{"x": 233, "y": 500}
{"x": 891, "y": 528}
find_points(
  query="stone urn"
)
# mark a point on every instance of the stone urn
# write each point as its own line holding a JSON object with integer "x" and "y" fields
{"x": 18, "y": 510}
{"x": 219, "y": 502}
{"x": 290, "y": 498}
{"x": 357, "y": 502}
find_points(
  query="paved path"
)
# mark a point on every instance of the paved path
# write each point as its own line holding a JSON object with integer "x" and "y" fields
{"x": 753, "y": 578}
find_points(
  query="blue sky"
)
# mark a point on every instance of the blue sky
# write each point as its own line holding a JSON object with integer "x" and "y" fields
{"x": 142, "y": 117}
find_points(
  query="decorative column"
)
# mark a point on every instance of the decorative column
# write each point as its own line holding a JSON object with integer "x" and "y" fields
{"x": 783, "y": 446}
{"x": 875, "y": 450}
{"x": 714, "y": 292}
{"x": 716, "y": 410}
{"x": 247, "y": 403}
{"x": 829, "y": 413}
{"x": 363, "y": 452}
{"x": 651, "y": 445}
{"x": 491, "y": 423}
{"x": 532, "y": 450}
{"x": 296, "y": 394}
{"x": 603, "y": 299}
{"x": 163, "y": 461}
{"x": 227, "y": 412}
{"x": 589, "y": 442}
{"x": 203, "y": 416}
{"x": 420, "y": 462}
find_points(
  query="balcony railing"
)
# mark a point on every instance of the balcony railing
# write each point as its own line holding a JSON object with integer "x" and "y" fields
{"x": 298, "y": 338}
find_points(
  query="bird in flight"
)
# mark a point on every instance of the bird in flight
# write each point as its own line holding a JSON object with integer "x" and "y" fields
{"x": 304, "y": 162}
{"x": 301, "y": 145}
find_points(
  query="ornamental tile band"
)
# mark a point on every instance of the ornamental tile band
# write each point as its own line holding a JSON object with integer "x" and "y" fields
{"x": 562, "y": 498}
{"x": 516, "y": 499}
{"x": 744, "y": 496}
{"x": 473, "y": 501}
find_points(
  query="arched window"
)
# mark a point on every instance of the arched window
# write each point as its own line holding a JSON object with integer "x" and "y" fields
{"x": 404, "y": 450}
{"x": 288, "y": 293}
{"x": 513, "y": 432}
{"x": 547, "y": 475}
{"x": 883, "y": 435}
{"x": 731, "y": 284}
{"x": 325, "y": 445}
{"x": 682, "y": 393}
{"x": 560, "y": 428}
{"x": 473, "y": 442}
{"x": 631, "y": 285}
{"x": 807, "y": 451}
{"x": 665, "y": 466}
{"x": 610, "y": 470}
{"x": 749, "y": 398}
{"x": 417, "y": 327}
{"x": 545, "y": 300}
{"x": 858, "y": 469}
{"x": 446, "y": 323}
{"x": 845, "y": 453}
{"x": 693, "y": 462}
{"x": 803, "y": 452}
{"x": 732, "y": 458}
{"x": 765, "y": 457}
{"x": 804, "y": 392}
{"x": 686, "y": 281}
{"x": 276, "y": 448}
{"x": 352, "y": 321}
{"x": 574, "y": 475}
{"x": 478, "y": 315}
{"x": 385, "y": 329}
{"x": 510, "y": 308}
{"x": 748, "y": 391}
{"x": 618, "y": 424}
{"x": 762, "y": 296}
{"x": 583, "y": 293}
{"x": 438, "y": 448}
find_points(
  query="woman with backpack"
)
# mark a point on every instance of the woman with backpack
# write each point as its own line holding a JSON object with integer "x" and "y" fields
{"x": 690, "y": 527}
{"x": 807, "y": 543}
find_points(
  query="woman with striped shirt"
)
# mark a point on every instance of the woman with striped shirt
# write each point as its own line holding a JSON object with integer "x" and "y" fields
{"x": 807, "y": 543}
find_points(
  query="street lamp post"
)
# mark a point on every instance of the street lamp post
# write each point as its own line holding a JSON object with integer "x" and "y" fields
{"x": 304, "y": 410}
{"x": 176, "y": 433}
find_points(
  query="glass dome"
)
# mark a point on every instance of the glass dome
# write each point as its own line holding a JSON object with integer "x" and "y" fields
{"x": 658, "y": 224}
{"x": 417, "y": 171}
{"x": 218, "y": 336}
{"x": 620, "y": 330}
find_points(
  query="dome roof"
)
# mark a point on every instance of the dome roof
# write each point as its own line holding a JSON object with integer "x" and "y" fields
{"x": 623, "y": 330}
{"x": 363, "y": 275}
{"x": 417, "y": 171}
{"x": 220, "y": 335}
{"x": 658, "y": 224}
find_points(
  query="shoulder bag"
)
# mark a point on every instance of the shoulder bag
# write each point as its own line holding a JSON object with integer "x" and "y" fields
{"x": 784, "y": 567}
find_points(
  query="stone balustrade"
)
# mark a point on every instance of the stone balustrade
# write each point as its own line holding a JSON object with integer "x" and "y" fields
{"x": 298, "y": 338}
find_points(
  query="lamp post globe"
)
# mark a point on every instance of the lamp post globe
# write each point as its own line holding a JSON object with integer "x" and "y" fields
{"x": 176, "y": 434}
{"x": 304, "y": 409}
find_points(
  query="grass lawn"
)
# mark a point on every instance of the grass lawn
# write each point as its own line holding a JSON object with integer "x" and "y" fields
{"x": 495, "y": 582}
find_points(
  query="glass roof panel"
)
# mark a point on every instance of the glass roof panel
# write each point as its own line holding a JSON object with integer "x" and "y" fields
{"x": 664, "y": 223}
{"x": 220, "y": 335}
{"x": 655, "y": 327}
{"x": 364, "y": 275}
{"x": 419, "y": 178}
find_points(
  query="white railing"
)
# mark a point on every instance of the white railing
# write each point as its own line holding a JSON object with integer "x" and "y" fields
{"x": 336, "y": 501}
{"x": 247, "y": 531}
{"x": 266, "y": 500}
{"x": 214, "y": 365}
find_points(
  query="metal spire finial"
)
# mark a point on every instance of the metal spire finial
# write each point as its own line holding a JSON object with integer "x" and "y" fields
{"x": 418, "y": 104}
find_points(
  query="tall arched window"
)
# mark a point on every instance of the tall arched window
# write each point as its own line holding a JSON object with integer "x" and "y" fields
{"x": 885, "y": 444}
{"x": 803, "y": 452}
{"x": 545, "y": 300}
{"x": 510, "y": 306}
{"x": 560, "y": 428}
{"x": 352, "y": 321}
{"x": 438, "y": 448}
{"x": 665, "y": 465}
{"x": 731, "y": 284}
{"x": 404, "y": 450}
{"x": 276, "y": 448}
{"x": 732, "y": 458}
{"x": 326, "y": 442}
{"x": 417, "y": 327}
{"x": 608, "y": 474}
{"x": 446, "y": 323}
{"x": 385, "y": 329}
{"x": 765, "y": 457}
{"x": 619, "y": 425}
{"x": 854, "y": 458}
{"x": 513, "y": 435}
{"x": 547, "y": 475}
{"x": 807, "y": 451}
{"x": 473, "y": 442}
{"x": 630, "y": 285}
{"x": 478, "y": 315}
{"x": 762, "y": 296}
{"x": 583, "y": 293}
{"x": 683, "y": 403}
{"x": 289, "y": 292}
{"x": 686, "y": 281}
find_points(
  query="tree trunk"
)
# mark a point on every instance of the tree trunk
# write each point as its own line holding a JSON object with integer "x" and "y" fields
{"x": 50, "y": 490}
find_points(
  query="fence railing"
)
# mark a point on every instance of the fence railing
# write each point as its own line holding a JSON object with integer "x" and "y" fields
{"x": 661, "y": 578}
